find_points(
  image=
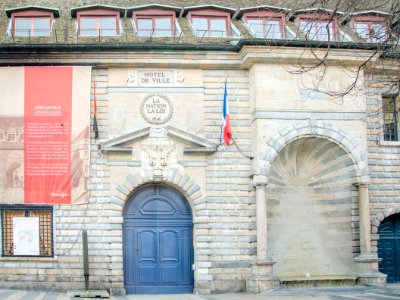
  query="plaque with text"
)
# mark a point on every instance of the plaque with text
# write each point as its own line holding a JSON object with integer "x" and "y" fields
{"x": 156, "y": 109}
{"x": 154, "y": 78}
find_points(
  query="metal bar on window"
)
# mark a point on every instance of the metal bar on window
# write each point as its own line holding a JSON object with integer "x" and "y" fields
{"x": 45, "y": 216}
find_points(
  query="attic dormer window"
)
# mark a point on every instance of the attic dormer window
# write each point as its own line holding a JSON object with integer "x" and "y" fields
{"x": 372, "y": 29}
{"x": 155, "y": 22}
{"x": 212, "y": 26}
{"x": 318, "y": 27}
{"x": 32, "y": 26}
{"x": 265, "y": 24}
{"x": 211, "y": 22}
{"x": 265, "y": 27}
{"x": 98, "y": 26}
{"x": 98, "y": 20}
{"x": 31, "y": 21}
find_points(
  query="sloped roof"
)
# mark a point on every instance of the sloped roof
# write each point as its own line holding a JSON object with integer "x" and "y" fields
{"x": 231, "y": 10}
{"x": 74, "y": 10}
{"x": 54, "y": 10}
{"x": 130, "y": 10}
{"x": 345, "y": 6}
{"x": 64, "y": 31}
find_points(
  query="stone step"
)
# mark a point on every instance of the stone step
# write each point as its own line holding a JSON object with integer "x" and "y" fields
{"x": 317, "y": 281}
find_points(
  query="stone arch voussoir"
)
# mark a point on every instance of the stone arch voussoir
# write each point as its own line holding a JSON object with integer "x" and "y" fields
{"x": 173, "y": 177}
{"x": 315, "y": 129}
{"x": 383, "y": 214}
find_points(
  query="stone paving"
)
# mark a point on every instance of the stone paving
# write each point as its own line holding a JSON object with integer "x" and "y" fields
{"x": 392, "y": 292}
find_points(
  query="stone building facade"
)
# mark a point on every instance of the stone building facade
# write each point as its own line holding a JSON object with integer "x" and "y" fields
{"x": 298, "y": 196}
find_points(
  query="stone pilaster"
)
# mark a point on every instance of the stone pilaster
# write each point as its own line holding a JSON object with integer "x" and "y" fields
{"x": 367, "y": 263}
{"x": 261, "y": 279}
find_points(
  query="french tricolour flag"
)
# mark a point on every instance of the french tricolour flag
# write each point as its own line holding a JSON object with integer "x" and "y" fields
{"x": 226, "y": 121}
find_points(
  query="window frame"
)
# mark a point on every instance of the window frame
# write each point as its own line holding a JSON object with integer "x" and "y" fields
{"x": 264, "y": 16}
{"x": 370, "y": 20}
{"x": 46, "y": 228}
{"x": 31, "y": 14}
{"x": 97, "y": 14}
{"x": 210, "y": 14}
{"x": 391, "y": 134}
{"x": 154, "y": 14}
{"x": 316, "y": 18}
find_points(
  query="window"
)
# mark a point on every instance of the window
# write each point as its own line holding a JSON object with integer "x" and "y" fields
{"x": 158, "y": 26}
{"x": 370, "y": 30}
{"x": 211, "y": 22}
{"x": 264, "y": 23}
{"x": 210, "y": 26}
{"x": 319, "y": 29}
{"x": 11, "y": 137}
{"x": 98, "y": 25}
{"x": 98, "y": 20}
{"x": 44, "y": 217}
{"x": 31, "y": 21}
{"x": 155, "y": 22}
{"x": 34, "y": 26}
{"x": 391, "y": 118}
{"x": 265, "y": 27}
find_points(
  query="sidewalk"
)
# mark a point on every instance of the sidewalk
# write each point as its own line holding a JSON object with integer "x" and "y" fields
{"x": 392, "y": 292}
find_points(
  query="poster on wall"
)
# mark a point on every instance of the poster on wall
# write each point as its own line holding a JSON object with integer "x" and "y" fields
{"x": 44, "y": 134}
{"x": 26, "y": 236}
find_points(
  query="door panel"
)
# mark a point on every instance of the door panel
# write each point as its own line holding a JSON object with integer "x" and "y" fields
{"x": 147, "y": 246}
{"x": 389, "y": 248}
{"x": 397, "y": 247}
{"x": 169, "y": 274}
{"x": 129, "y": 234}
{"x": 387, "y": 264}
{"x": 187, "y": 251}
{"x": 169, "y": 246}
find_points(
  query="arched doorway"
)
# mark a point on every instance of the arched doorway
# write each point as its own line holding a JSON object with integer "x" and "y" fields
{"x": 158, "y": 247}
{"x": 389, "y": 248}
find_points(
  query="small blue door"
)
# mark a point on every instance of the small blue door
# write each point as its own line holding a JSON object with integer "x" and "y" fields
{"x": 389, "y": 248}
{"x": 158, "y": 246}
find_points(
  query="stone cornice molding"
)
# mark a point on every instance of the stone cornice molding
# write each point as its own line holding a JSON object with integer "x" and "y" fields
{"x": 123, "y": 143}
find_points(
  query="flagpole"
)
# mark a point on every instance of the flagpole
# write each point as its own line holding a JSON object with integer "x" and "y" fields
{"x": 226, "y": 129}
{"x": 95, "y": 125}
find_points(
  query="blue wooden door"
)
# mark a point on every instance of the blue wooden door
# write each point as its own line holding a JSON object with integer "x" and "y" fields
{"x": 158, "y": 246}
{"x": 389, "y": 248}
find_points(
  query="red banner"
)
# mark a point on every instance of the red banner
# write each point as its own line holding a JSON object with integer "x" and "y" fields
{"x": 44, "y": 135}
{"x": 47, "y": 152}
